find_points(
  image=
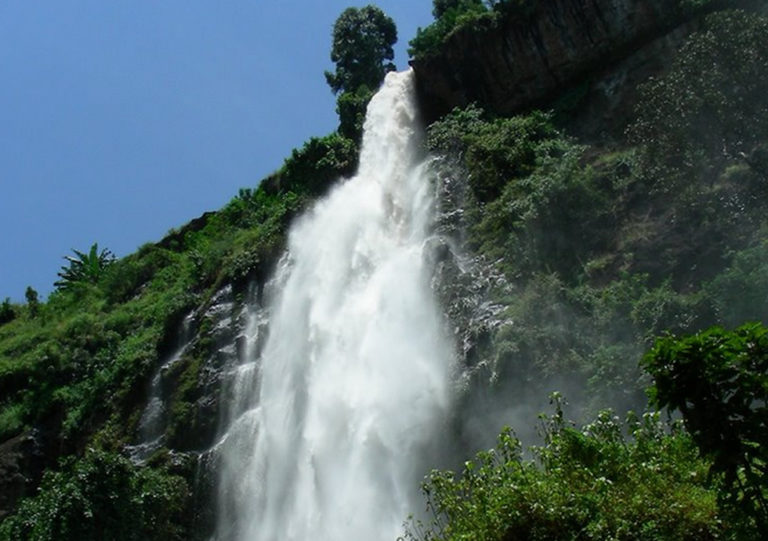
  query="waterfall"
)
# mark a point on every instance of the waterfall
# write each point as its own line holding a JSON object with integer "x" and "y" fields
{"x": 154, "y": 418}
{"x": 338, "y": 413}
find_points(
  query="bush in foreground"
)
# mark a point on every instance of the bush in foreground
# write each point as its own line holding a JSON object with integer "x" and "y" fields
{"x": 591, "y": 483}
{"x": 101, "y": 496}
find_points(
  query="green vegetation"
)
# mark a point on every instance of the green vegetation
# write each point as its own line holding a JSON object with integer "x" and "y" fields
{"x": 33, "y": 303}
{"x": 102, "y": 496}
{"x": 85, "y": 268}
{"x": 660, "y": 481}
{"x": 589, "y": 483}
{"x": 476, "y": 16}
{"x": 7, "y": 313}
{"x": 718, "y": 380}
{"x": 362, "y": 50}
{"x": 709, "y": 112}
{"x": 450, "y": 15}
{"x": 78, "y": 361}
{"x": 441, "y": 7}
{"x": 78, "y": 366}
{"x": 604, "y": 248}
{"x": 362, "y": 45}
{"x": 351, "y": 107}
{"x": 322, "y": 160}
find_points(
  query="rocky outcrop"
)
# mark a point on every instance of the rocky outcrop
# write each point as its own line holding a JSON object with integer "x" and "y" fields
{"x": 187, "y": 408}
{"x": 21, "y": 466}
{"x": 522, "y": 61}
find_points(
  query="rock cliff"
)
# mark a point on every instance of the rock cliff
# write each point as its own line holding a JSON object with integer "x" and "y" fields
{"x": 520, "y": 61}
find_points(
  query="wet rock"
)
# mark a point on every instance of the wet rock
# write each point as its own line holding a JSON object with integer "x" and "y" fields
{"x": 465, "y": 284}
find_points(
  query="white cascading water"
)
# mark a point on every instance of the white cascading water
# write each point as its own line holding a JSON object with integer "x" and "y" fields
{"x": 353, "y": 380}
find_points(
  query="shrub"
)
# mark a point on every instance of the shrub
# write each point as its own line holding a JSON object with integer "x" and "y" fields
{"x": 11, "y": 420}
{"x": 450, "y": 16}
{"x": 85, "y": 268}
{"x": 495, "y": 151}
{"x": 101, "y": 496}
{"x": 589, "y": 483}
{"x": 322, "y": 160}
{"x": 33, "y": 304}
{"x": 718, "y": 380}
{"x": 7, "y": 312}
{"x": 739, "y": 293}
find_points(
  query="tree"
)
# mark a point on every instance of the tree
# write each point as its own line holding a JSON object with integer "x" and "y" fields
{"x": 85, "y": 268}
{"x": 32, "y": 301}
{"x": 449, "y": 15}
{"x": 7, "y": 313}
{"x": 718, "y": 380}
{"x": 351, "y": 108}
{"x": 440, "y": 7}
{"x": 362, "y": 49}
{"x": 362, "y": 45}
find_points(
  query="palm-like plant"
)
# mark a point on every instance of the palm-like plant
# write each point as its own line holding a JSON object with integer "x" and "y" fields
{"x": 84, "y": 267}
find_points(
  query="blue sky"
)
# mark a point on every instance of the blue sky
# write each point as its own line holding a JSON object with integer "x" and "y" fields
{"x": 122, "y": 119}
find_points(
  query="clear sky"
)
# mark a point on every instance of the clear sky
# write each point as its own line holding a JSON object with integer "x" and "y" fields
{"x": 122, "y": 119}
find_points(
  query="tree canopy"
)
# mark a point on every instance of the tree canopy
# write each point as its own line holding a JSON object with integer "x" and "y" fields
{"x": 440, "y": 7}
{"x": 362, "y": 49}
{"x": 718, "y": 380}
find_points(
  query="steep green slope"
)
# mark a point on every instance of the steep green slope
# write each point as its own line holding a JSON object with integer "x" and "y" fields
{"x": 596, "y": 250}
{"x": 74, "y": 373}
{"x": 604, "y": 247}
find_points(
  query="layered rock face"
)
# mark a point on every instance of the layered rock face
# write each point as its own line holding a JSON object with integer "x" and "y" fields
{"x": 523, "y": 61}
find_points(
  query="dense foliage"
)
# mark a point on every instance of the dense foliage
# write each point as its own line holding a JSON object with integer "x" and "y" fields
{"x": 362, "y": 51}
{"x": 602, "y": 248}
{"x": 589, "y": 483}
{"x": 85, "y": 268}
{"x": 597, "y": 251}
{"x": 718, "y": 380}
{"x": 102, "y": 496}
{"x": 7, "y": 313}
{"x": 449, "y": 16}
{"x": 658, "y": 482}
{"x": 470, "y": 15}
{"x": 710, "y": 111}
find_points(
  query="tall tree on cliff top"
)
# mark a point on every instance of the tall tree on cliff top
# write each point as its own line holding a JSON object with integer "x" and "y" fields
{"x": 362, "y": 50}
{"x": 362, "y": 45}
{"x": 440, "y": 7}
